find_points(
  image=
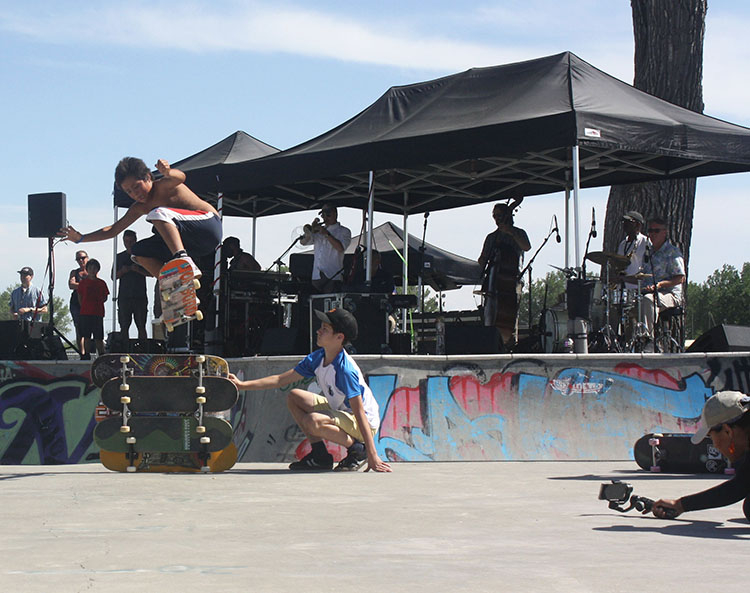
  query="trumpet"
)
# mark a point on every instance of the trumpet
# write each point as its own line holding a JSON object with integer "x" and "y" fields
{"x": 315, "y": 227}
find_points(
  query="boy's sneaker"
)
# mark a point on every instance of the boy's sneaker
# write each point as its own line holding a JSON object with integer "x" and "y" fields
{"x": 312, "y": 464}
{"x": 196, "y": 270}
{"x": 355, "y": 459}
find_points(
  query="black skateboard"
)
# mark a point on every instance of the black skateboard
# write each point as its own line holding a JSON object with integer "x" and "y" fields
{"x": 674, "y": 453}
{"x": 169, "y": 394}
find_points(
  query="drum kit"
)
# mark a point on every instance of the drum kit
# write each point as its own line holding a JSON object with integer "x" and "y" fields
{"x": 622, "y": 328}
{"x": 612, "y": 304}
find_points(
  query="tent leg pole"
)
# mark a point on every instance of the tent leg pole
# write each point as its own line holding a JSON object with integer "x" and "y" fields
{"x": 370, "y": 209}
{"x": 576, "y": 190}
{"x": 404, "y": 311}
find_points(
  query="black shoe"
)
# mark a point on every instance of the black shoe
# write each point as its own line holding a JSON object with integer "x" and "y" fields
{"x": 311, "y": 464}
{"x": 355, "y": 459}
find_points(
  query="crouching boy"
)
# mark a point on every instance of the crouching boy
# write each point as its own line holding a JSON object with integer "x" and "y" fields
{"x": 345, "y": 413}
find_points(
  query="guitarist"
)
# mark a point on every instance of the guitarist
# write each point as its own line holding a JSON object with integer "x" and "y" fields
{"x": 501, "y": 257}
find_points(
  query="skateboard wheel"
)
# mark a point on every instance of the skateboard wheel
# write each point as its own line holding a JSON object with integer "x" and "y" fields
{"x": 131, "y": 469}
{"x": 205, "y": 440}
{"x": 199, "y": 315}
{"x": 124, "y": 428}
{"x": 125, "y": 359}
{"x": 124, "y": 387}
{"x": 200, "y": 430}
{"x": 196, "y": 283}
{"x": 130, "y": 440}
{"x": 205, "y": 469}
{"x": 200, "y": 400}
{"x": 200, "y": 359}
{"x": 656, "y": 469}
{"x": 170, "y": 327}
{"x": 165, "y": 296}
{"x": 125, "y": 399}
{"x": 200, "y": 389}
{"x": 653, "y": 442}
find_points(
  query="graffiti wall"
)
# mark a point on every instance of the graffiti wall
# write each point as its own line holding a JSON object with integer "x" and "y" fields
{"x": 552, "y": 407}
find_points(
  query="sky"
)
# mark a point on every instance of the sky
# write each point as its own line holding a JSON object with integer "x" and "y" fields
{"x": 86, "y": 83}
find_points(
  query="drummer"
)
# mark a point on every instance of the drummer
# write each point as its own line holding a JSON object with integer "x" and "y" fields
{"x": 633, "y": 246}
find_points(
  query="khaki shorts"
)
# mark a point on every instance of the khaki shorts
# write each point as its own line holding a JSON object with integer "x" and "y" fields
{"x": 344, "y": 420}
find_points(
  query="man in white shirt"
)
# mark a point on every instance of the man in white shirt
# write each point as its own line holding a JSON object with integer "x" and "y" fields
{"x": 633, "y": 246}
{"x": 330, "y": 240}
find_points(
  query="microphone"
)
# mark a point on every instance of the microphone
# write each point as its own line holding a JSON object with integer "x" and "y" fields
{"x": 557, "y": 230}
{"x": 593, "y": 222}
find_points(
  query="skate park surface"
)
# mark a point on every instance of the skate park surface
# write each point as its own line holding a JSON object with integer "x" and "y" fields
{"x": 454, "y": 526}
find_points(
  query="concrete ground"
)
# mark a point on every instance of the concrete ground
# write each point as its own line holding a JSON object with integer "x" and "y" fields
{"x": 533, "y": 526}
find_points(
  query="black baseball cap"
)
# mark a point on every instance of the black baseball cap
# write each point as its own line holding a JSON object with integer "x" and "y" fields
{"x": 341, "y": 321}
{"x": 26, "y": 271}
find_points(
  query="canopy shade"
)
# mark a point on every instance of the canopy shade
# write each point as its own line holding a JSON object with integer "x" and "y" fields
{"x": 446, "y": 270}
{"x": 490, "y": 133}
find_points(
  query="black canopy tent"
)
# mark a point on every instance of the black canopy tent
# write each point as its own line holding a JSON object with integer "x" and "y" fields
{"x": 536, "y": 127}
{"x": 446, "y": 271}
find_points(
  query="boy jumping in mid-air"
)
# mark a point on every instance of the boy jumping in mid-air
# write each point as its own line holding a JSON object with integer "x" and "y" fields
{"x": 183, "y": 223}
{"x": 345, "y": 413}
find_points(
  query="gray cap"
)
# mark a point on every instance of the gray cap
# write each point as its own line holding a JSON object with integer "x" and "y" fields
{"x": 723, "y": 407}
{"x": 634, "y": 216}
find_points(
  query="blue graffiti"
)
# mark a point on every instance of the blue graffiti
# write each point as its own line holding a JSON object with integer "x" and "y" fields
{"x": 33, "y": 423}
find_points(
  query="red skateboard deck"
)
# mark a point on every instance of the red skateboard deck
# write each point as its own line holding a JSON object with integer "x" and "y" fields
{"x": 177, "y": 285}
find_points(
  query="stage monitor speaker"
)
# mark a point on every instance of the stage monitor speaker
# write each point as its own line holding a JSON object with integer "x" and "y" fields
{"x": 46, "y": 214}
{"x": 723, "y": 338}
{"x": 279, "y": 341}
{"x": 10, "y": 338}
{"x": 471, "y": 339}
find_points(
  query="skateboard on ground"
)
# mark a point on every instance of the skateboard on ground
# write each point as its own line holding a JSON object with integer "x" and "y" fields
{"x": 172, "y": 462}
{"x": 177, "y": 286}
{"x": 109, "y": 366}
{"x": 674, "y": 453}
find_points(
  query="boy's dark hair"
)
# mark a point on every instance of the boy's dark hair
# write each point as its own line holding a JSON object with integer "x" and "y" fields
{"x": 129, "y": 233}
{"x": 94, "y": 263}
{"x": 131, "y": 166}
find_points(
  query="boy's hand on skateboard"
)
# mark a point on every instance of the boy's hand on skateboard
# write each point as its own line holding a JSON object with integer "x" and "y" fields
{"x": 667, "y": 509}
{"x": 376, "y": 464}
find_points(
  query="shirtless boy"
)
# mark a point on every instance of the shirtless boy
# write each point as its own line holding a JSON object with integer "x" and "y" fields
{"x": 184, "y": 224}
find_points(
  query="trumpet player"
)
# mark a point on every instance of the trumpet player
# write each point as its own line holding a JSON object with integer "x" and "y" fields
{"x": 330, "y": 240}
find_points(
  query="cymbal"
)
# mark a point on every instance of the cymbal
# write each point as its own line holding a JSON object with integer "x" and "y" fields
{"x": 603, "y": 257}
{"x": 636, "y": 277}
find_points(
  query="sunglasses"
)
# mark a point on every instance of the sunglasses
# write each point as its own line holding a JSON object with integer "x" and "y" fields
{"x": 82, "y": 258}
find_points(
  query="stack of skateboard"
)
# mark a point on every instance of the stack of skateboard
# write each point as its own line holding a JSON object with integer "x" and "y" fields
{"x": 161, "y": 413}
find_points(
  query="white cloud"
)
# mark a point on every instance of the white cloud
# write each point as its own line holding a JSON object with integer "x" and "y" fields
{"x": 256, "y": 28}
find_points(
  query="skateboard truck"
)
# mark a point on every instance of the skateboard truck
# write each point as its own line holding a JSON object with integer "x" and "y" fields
{"x": 654, "y": 442}
{"x": 125, "y": 399}
{"x": 618, "y": 493}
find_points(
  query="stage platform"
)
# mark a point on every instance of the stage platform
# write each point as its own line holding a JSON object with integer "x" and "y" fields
{"x": 433, "y": 408}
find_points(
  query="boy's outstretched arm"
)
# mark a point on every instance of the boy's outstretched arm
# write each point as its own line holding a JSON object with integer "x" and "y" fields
{"x": 374, "y": 462}
{"x": 269, "y": 382}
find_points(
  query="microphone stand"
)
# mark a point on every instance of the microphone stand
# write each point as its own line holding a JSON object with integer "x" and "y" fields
{"x": 421, "y": 279}
{"x": 529, "y": 268}
{"x": 278, "y": 263}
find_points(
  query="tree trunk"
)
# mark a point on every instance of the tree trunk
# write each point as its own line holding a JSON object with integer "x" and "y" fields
{"x": 669, "y": 65}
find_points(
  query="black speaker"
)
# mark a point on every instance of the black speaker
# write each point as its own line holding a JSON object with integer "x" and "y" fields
{"x": 278, "y": 341}
{"x": 10, "y": 338}
{"x": 471, "y": 339}
{"x": 723, "y": 338}
{"x": 46, "y": 214}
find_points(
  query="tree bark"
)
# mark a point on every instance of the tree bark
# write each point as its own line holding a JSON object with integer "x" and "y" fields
{"x": 668, "y": 64}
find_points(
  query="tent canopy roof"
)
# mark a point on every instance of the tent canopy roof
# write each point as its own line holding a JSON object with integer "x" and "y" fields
{"x": 485, "y": 134}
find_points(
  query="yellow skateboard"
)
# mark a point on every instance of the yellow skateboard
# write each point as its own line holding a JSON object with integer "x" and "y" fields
{"x": 182, "y": 462}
